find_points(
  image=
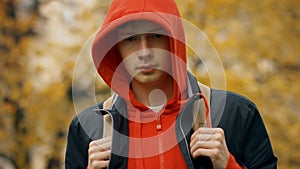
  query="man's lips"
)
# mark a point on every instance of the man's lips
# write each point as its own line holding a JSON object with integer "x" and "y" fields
{"x": 148, "y": 68}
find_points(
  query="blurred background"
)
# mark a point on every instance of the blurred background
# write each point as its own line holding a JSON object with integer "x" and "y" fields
{"x": 40, "y": 40}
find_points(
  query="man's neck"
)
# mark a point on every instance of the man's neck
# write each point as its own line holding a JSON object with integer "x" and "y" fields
{"x": 154, "y": 94}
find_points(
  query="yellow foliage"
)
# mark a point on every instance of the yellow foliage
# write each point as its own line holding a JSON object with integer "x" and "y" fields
{"x": 257, "y": 42}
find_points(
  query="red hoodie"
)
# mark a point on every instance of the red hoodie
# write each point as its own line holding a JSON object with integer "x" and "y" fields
{"x": 107, "y": 59}
{"x": 158, "y": 148}
{"x": 152, "y": 142}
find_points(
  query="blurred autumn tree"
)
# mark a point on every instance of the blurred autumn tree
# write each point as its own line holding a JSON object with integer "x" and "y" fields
{"x": 257, "y": 42}
{"x": 39, "y": 43}
{"x": 16, "y": 31}
{"x": 22, "y": 119}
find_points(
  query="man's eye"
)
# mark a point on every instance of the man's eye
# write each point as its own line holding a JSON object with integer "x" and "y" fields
{"x": 131, "y": 39}
{"x": 155, "y": 36}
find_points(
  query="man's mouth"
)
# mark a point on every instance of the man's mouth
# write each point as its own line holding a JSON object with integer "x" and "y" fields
{"x": 148, "y": 68}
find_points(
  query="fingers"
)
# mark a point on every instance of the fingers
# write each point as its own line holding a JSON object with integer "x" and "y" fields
{"x": 209, "y": 152}
{"x": 99, "y": 152}
{"x": 98, "y": 164}
{"x": 207, "y": 142}
{"x": 99, "y": 155}
{"x": 101, "y": 144}
{"x": 207, "y": 135}
{"x": 210, "y": 142}
{"x": 209, "y": 131}
{"x": 204, "y": 146}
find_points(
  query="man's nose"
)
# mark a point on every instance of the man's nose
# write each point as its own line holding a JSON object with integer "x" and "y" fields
{"x": 145, "y": 48}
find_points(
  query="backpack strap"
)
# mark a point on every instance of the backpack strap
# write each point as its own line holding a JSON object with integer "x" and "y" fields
{"x": 201, "y": 110}
{"x": 107, "y": 122}
{"x": 205, "y": 90}
{"x": 201, "y": 113}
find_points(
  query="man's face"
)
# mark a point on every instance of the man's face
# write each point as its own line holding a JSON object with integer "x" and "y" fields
{"x": 144, "y": 49}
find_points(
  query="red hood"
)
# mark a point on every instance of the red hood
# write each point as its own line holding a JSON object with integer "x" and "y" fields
{"x": 107, "y": 59}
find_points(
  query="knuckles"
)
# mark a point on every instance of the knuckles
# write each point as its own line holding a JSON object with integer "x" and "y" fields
{"x": 92, "y": 143}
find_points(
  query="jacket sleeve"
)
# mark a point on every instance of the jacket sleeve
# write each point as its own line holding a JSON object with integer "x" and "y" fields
{"x": 246, "y": 136}
{"x": 84, "y": 128}
{"x": 257, "y": 149}
{"x": 232, "y": 164}
{"x": 76, "y": 156}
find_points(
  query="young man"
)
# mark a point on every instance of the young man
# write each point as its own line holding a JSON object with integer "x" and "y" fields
{"x": 141, "y": 54}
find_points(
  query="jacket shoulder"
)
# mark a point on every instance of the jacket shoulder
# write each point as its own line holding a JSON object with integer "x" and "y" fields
{"x": 83, "y": 128}
{"x": 231, "y": 100}
{"x": 231, "y": 95}
{"x": 88, "y": 122}
{"x": 246, "y": 135}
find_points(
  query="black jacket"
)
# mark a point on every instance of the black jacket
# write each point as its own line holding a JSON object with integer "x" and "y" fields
{"x": 245, "y": 133}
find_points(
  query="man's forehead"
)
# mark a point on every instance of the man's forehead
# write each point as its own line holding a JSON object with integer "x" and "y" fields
{"x": 139, "y": 27}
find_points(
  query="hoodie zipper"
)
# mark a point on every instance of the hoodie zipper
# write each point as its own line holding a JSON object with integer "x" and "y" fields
{"x": 159, "y": 140}
{"x": 158, "y": 121}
